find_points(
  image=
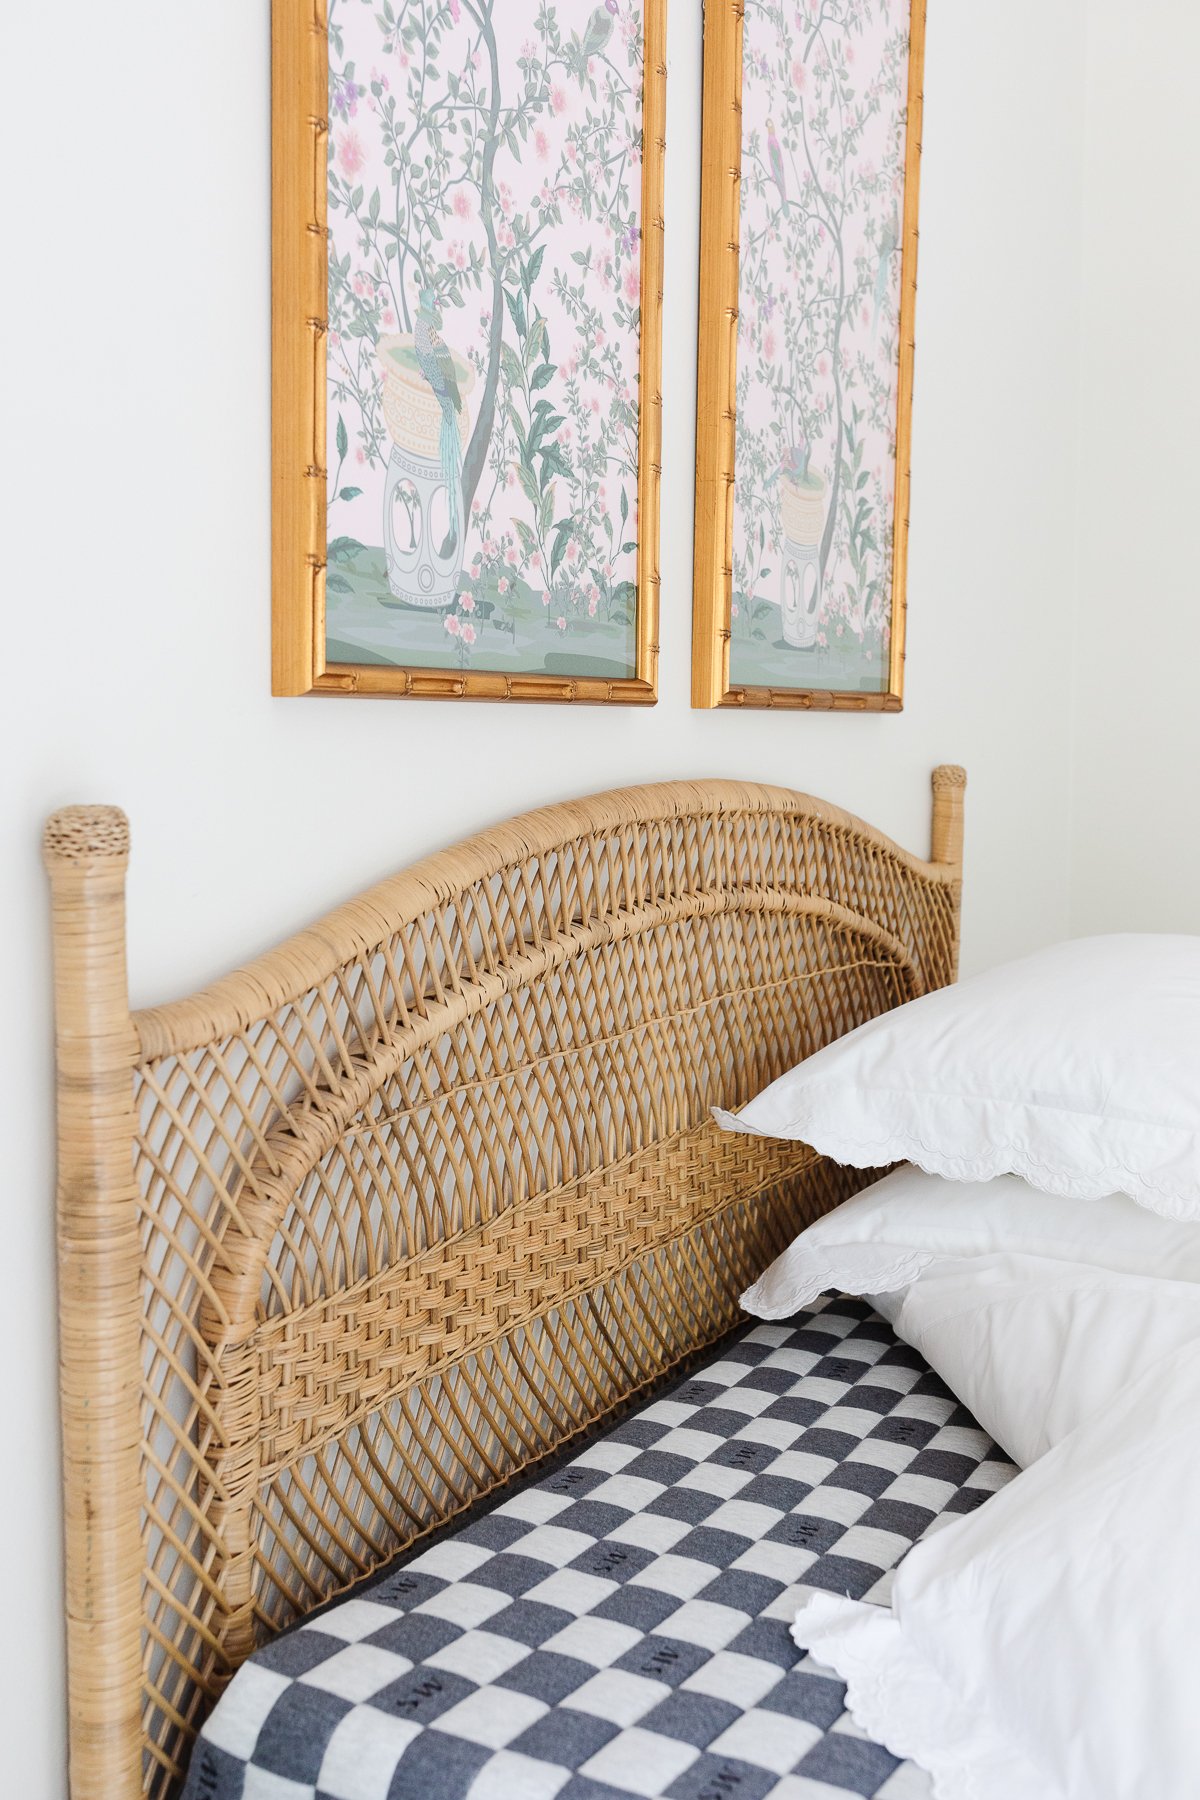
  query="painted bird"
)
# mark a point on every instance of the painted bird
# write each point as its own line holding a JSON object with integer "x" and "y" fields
{"x": 595, "y": 38}
{"x": 889, "y": 243}
{"x": 775, "y": 157}
{"x": 437, "y": 366}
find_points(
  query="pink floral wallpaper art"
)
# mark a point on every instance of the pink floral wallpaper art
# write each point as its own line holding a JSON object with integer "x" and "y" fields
{"x": 484, "y": 342}
{"x": 826, "y": 215}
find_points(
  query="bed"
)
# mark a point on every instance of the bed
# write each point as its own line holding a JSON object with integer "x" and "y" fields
{"x": 368, "y": 1230}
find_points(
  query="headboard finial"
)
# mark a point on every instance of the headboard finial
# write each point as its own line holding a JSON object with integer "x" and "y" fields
{"x": 949, "y": 785}
{"x": 78, "y": 833}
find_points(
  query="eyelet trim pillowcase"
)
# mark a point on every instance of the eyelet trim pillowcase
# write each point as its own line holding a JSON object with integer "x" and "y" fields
{"x": 1035, "y": 1311}
{"x": 883, "y": 1238}
{"x": 1077, "y": 1068}
{"x": 1047, "y": 1644}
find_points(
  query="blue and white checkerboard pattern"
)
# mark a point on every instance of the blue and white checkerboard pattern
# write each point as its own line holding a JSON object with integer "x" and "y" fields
{"x": 621, "y": 1627}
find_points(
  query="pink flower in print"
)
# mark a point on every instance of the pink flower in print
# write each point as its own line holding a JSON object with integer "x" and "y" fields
{"x": 822, "y": 365}
{"x": 633, "y": 285}
{"x": 769, "y": 346}
{"x": 799, "y": 76}
{"x": 360, "y": 455}
{"x": 572, "y": 551}
{"x": 568, "y": 187}
{"x": 734, "y": 609}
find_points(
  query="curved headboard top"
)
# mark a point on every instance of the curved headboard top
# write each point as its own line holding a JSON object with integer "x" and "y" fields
{"x": 358, "y": 1232}
{"x": 310, "y": 956}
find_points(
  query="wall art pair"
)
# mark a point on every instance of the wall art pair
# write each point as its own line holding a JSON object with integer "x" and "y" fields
{"x": 468, "y": 243}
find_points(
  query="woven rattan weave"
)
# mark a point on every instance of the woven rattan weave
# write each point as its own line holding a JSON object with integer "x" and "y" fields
{"x": 351, "y": 1236}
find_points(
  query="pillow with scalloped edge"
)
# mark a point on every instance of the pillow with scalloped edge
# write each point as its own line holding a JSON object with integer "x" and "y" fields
{"x": 1077, "y": 1068}
{"x": 1035, "y": 1311}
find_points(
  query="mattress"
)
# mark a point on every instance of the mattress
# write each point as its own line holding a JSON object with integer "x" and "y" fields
{"x": 621, "y": 1626}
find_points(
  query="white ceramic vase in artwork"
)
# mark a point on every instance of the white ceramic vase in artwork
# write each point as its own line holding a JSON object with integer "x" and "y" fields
{"x": 803, "y": 517}
{"x": 423, "y": 527}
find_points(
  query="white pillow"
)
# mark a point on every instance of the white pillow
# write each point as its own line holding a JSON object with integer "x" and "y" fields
{"x": 1078, "y": 1068}
{"x": 1047, "y": 1645}
{"x": 883, "y": 1237}
{"x": 1035, "y": 1311}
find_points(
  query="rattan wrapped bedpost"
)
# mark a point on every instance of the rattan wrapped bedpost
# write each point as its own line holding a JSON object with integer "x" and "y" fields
{"x": 86, "y": 850}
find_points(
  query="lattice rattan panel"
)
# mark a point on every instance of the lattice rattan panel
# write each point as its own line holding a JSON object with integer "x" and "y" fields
{"x": 434, "y": 1186}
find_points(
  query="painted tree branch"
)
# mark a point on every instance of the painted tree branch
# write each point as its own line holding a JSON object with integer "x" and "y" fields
{"x": 475, "y": 459}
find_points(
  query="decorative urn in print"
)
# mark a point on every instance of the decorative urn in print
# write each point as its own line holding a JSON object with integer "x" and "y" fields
{"x": 802, "y": 510}
{"x": 425, "y": 388}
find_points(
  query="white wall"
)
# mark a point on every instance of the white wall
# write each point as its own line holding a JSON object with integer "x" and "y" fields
{"x": 1136, "y": 646}
{"x": 135, "y": 434}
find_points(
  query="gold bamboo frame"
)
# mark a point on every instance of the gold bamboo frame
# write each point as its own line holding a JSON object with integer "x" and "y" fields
{"x": 299, "y": 245}
{"x": 356, "y": 1233}
{"x": 716, "y": 418}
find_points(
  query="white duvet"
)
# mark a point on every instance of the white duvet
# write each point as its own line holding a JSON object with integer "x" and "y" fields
{"x": 1047, "y": 1646}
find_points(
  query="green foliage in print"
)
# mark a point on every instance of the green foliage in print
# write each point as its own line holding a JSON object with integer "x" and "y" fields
{"x": 484, "y": 186}
{"x": 822, "y": 195}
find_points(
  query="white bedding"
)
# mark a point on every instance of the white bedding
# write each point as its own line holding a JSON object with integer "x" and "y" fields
{"x": 1035, "y": 1310}
{"x": 1047, "y": 1647}
{"x": 1074, "y": 1068}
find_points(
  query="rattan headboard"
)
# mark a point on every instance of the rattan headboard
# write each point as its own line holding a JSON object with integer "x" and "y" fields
{"x": 351, "y": 1236}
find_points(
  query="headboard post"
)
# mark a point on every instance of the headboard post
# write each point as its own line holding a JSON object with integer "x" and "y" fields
{"x": 86, "y": 850}
{"x": 949, "y": 786}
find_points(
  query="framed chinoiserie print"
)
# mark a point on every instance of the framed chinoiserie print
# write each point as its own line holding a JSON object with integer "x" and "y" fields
{"x": 467, "y": 314}
{"x": 812, "y": 124}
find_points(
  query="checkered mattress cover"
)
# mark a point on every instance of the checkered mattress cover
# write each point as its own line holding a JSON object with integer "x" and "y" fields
{"x": 621, "y": 1627}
